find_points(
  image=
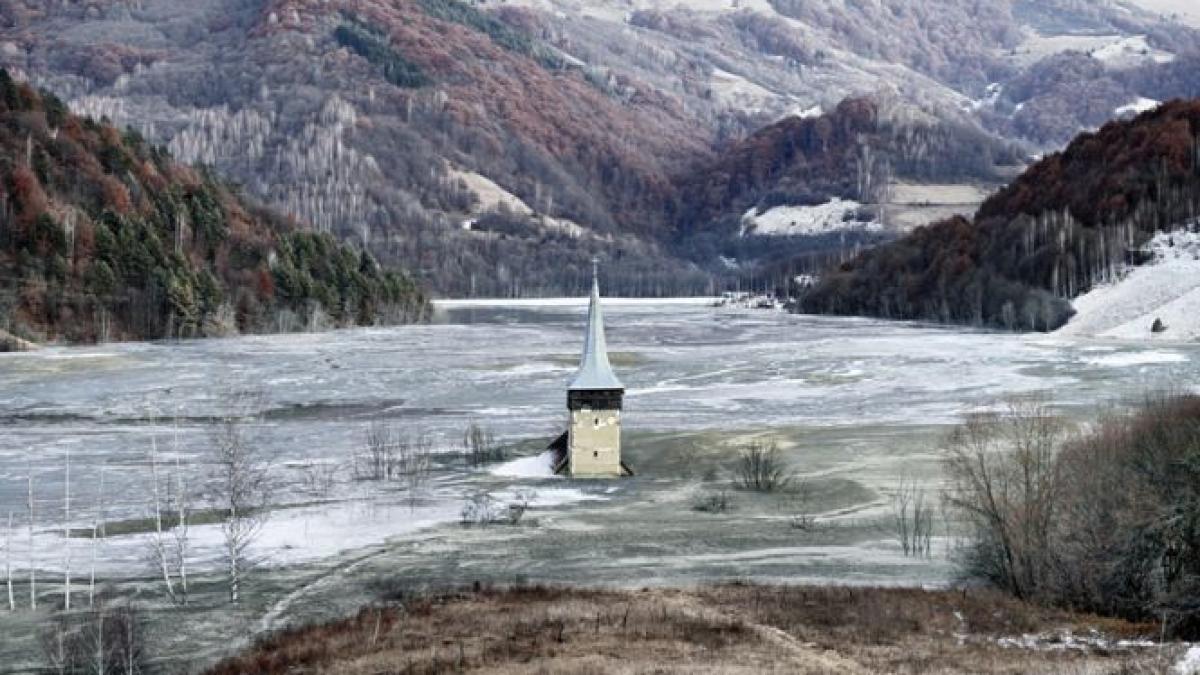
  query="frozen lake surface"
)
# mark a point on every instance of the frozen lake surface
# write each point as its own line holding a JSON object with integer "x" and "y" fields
{"x": 855, "y": 403}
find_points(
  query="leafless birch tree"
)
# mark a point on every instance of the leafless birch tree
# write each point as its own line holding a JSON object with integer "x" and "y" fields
{"x": 240, "y": 486}
{"x": 12, "y": 601}
{"x": 97, "y": 521}
{"x": 158, "y": 543}
{"x": 32, "y": 562}
{"x": 180, "y": 531}
{"x": 67, "y": 530}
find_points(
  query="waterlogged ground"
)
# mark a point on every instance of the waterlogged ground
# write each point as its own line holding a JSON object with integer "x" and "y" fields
{"x": 856, "y": 405}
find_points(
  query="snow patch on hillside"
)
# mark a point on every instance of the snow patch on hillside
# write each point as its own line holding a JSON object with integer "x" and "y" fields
{"x": 489, "y": 193}
{"x": 832, "y": 216}
{"x": 1130, "y": 52}
{"x": 1137, "y": 107}
{"x": 1189, "y": 664}
{"x": 804, "y": 113}
{"x": 491, "y": 197}
{"x": 1118, "y": 52}
{"x": 1167, "y": 289}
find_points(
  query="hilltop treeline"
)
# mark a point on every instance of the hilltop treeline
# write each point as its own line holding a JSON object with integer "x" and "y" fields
{"x": 104, "y": 236}
{"x": 1067, "y": 223}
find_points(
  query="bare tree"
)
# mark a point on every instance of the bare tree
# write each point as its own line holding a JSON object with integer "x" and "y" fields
{"x": 67, "y": 530}
{"x": 158, "y": 543}
{"x": 240, "y": 487}
{"x": 376, "y": 463}
{"x": 414, "y": 461}
{"x": 912, "y": 518}
{"x": 319, "y": 478}
{"x": 761, "y": 468}
{"x": 480, "y": 446}
{"x": 180, "y": 531}
{"x": 12, "y": 601}
{"x": 1004, "y": 482}
{"x": 96, "y": 523}
{"x": 32, "y": 562}
{"x": 98, "y": 641}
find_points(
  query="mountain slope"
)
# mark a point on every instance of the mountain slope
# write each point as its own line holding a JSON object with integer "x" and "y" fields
{"x": 378, "y": 121}
{"x": 856, "y": 151}
{"x": 308, "y": 106}
{"x": 1157, "y": 300}
{"x": 104, "y": 236}
{"x": 1069, "y": 222}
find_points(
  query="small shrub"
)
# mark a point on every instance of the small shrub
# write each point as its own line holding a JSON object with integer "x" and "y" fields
{"x": 716, "y": 502}
{"x": 480, "y": 447}
{"x": 761, "y": 468}
{"x": 101, "y": 639}
{"x": 318, "y": 478}
{"x": 799, "y": 509}
{"x": 482, "y": 509}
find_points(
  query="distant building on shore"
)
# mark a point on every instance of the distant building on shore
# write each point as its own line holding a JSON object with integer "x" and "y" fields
{"x": 591, "y": 446}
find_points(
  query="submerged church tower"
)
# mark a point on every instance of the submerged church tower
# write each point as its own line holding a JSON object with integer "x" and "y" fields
{"x": 594, "y": 398}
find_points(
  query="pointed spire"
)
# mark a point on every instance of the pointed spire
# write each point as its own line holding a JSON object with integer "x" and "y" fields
{"x": 595, "y": 372}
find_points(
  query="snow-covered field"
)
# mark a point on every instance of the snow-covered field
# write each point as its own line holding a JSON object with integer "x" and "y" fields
{"x": 911, "y": 194}
{"x": 1130, "y": 52}
{"x": 1168, "y": 290}
{"x": 1118, "y": 52}
{"x": 832, "y": 216}
{"x": 1136, "y": 107}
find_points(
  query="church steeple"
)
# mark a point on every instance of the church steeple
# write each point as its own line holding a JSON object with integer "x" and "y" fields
{"x": 591, "y": 448}
{"x": 595, "y": 372}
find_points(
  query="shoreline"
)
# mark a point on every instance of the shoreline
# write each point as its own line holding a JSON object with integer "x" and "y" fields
{"x": 582, "y": 301}
{"x": 12, "y": 343}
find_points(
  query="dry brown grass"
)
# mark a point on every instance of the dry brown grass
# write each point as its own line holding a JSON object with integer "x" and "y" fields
{"x": 721, "y": 629}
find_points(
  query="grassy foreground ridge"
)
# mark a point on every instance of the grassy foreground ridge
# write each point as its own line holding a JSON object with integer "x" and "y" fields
{"x": 734, "y": 628}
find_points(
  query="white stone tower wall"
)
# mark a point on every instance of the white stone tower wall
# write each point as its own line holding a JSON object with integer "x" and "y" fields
{"x": 595, "y": 443}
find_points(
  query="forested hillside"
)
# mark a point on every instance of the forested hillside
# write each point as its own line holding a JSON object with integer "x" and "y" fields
{"x": 103, "y": 236}
{"x": 495, "y": 147}
{"x": 854, "y": 151}
{"x": 1071, "y": 221}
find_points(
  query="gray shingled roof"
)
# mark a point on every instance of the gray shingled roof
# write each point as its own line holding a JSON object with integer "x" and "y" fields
{"x": 595, "y": 372}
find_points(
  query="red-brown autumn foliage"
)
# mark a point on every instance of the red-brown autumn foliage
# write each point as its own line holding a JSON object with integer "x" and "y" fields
{"x": 27, "y": 194}
{"x": 1066, "y": 223}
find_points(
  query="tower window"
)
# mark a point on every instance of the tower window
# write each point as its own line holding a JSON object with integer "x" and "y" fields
{"x": 597, "y": 422}
{"x": 595, "y": 454}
